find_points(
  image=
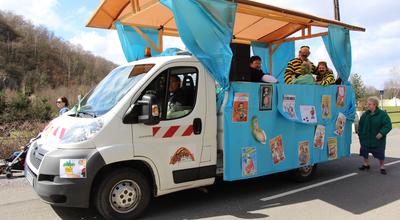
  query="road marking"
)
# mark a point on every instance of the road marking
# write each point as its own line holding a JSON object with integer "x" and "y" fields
{"x": 392, "y": 163}
{"x": 307, "y": 187}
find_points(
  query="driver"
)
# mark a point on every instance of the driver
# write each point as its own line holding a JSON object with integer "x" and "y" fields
{"x": 177, "y": 98}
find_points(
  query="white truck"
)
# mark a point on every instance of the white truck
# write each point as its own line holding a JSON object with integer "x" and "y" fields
{"x": 152, "y": 126}
{"x": 121, "y": 148}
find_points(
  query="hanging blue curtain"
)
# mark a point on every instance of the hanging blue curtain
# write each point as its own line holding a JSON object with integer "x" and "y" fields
{"x": 280, "y": 58}
{"x": 338, "y": 45}
{"x": 205, "y": 27}
{"x": 133, "y": 44}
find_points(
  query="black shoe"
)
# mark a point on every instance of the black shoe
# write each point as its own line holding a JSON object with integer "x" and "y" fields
{"x": 383, "y": 171}
{"x": 363, "y": 167}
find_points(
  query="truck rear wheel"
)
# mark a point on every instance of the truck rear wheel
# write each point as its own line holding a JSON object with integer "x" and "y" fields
{"x": 122, "y": 194}
{"x": 303, "y": 174}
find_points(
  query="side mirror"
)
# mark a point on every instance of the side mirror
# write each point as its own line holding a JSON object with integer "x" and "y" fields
{"x": 145, "y": 111}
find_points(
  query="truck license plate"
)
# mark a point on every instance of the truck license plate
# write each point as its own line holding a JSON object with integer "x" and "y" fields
{"x": 29, "y": 177}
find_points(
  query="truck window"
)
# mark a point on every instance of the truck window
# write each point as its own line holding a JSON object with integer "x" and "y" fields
{"x": 176, "y": 91}
{"x": 182, "y": 92}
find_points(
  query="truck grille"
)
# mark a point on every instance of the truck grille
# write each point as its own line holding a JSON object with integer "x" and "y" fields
{"x": 36, "y": 155}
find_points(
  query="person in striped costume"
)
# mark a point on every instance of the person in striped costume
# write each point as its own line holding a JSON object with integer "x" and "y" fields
{"x": 294, "y": 70}
{"x": 324, "y": 74}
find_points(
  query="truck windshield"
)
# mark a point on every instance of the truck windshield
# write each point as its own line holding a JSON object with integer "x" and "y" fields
{"x": 111, "y": 89}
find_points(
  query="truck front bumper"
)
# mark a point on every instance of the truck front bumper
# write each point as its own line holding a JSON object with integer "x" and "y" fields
{"x": 68, "y": 192}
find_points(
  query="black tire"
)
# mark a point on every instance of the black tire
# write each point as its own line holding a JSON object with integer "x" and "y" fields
{"x": 107, "y": 203}
{"x": 9, "y": 175}
{"x": 303, "y": 174}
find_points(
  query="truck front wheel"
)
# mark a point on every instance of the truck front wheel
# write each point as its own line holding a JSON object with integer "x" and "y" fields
{"x": 122, "y": 194}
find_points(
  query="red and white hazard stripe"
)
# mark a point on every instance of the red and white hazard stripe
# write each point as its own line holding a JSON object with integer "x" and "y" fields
{"x": 173, "y": 131}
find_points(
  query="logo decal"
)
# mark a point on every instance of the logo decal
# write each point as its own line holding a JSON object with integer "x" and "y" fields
{"x": 182, "y": 155}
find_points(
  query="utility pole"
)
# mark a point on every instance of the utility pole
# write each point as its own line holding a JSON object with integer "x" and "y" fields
{"x": 336, "y": 9}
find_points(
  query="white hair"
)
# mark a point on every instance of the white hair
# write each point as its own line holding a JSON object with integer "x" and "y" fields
{"x": 374, "y": 100}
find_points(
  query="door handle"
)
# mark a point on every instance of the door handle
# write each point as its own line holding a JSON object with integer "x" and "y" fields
{"x": 197, "y": 126}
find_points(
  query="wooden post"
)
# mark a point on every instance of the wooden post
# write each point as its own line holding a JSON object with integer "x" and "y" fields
{"x": 336, "y": 9}
{"x": 144, "y": 36}
{"x": 160, "y": 38}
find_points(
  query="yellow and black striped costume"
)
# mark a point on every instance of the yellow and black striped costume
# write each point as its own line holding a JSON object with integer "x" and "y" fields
{"x": 293, "y": 70}
{"x": 325, "y": 79}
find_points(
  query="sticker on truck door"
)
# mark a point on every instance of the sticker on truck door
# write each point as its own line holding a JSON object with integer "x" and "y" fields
{"x": 181, "y": 155}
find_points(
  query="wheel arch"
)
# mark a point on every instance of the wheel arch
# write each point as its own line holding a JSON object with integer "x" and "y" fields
{"x": 142, "y": 165}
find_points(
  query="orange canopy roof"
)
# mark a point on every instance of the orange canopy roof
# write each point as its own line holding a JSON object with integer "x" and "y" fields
{"x": 254, "y": 21}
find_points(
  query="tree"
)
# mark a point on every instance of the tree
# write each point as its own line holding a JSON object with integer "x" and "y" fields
{"x": 358, "y": 86}
{"x": 392, "y": 86}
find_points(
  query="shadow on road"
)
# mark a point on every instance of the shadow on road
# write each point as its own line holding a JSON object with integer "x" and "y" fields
{"x": 358, "y": 194}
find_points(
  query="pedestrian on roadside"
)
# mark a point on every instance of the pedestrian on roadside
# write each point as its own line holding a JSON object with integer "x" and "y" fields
{"x": 373, "y": 128}
{"x": 62, "y": 104}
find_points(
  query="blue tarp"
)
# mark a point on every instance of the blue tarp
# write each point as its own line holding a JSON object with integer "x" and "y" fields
{"x": 280, "y": 58}
{"x": 133, "y": 44}
{"x": 205, "y": 27}
{"x": 338, "y": 45}
{"x": 238, "y": 135}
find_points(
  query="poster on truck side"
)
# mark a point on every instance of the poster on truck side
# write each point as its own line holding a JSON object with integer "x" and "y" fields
{"x": 341, "y": 93}
{"x": 319, "y": 137}
{"x": 289, "y": 102}
{"x": 326, "y": 107}
{"x": 266, "y": 97}
{"x": 249, "y": 161}
{"x": 277, "y": 149}
{"x": 332, "y": 148}
{"x": 240, "y": 107}
{"x": 340, "y": 123}
{"x": 308, "y": 114}
{"x": 304, "y": 153}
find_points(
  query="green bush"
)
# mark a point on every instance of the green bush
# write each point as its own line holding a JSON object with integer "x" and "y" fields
{"x": 19, "y": 102}
{"x": 41, "y": 109}
{"x": 2, "y": 102}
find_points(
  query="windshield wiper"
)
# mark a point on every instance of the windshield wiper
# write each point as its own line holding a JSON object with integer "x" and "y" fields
{"x": 86, "y": 113}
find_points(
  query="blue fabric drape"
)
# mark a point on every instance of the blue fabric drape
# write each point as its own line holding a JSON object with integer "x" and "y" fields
{"x": 205, "y": 27}
{"x": 280, "y": 58}
{"x": 133, "y": 44}
{"x": 338, "y": 45}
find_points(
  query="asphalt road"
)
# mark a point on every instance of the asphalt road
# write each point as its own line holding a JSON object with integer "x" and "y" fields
{"x": 339, "y": 191}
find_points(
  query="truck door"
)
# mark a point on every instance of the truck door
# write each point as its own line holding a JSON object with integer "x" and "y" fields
{"x": 175, "y": 144}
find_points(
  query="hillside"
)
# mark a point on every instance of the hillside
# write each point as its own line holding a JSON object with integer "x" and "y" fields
{"x": 33, "y": 59}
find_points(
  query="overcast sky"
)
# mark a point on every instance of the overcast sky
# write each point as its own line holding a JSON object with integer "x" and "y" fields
{"x": 375, "y": 52}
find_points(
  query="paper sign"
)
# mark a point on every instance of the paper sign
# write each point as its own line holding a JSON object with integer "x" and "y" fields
{"x": 332, "y": 148}
{"x": 326, "y": 107}
{"x": 277, "y": 150}
{"x": 240, "y": 107}
{"x": 266, "y": 97}
{"x": 304, "y": 153}
{"x": 308, "y": 113}
{"x": 249, "y": 161}
{"x": 341, "y": 93}
{"x": 289, "y": 102}
{"x": 319, "y": 137}
{"x": 340, "y": 123}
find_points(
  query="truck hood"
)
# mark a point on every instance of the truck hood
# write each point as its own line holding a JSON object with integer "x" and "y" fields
{"x": 68, "y": 132}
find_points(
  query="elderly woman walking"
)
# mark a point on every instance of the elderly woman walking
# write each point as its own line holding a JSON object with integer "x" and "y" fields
{"x": 373, "y": 127}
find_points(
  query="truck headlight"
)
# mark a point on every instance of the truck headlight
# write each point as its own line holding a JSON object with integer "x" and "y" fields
{"x": 82, "y": 131}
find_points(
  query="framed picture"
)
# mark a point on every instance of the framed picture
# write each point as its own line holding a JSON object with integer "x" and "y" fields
{"x": 266, "y": 94}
